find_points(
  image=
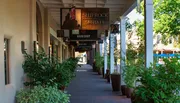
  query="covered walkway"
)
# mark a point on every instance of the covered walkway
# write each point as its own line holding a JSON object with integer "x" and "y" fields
{"x": 89, "y": 87}
{"x": 28, "y": 25}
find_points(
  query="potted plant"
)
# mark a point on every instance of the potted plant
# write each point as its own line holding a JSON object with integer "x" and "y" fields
{"x": 107, "y": 76}
{"x": 64, "y": 77}
{"x": 99, "y": 63}
{"x": 40, "y": 69}
{"x": 159, "y": 84}
{"x": 94, "y": 66}
{"x": 103, "y": 71}
{"x": 48, "y": 71}
{"x": 107, "y": 70}
{"x": 66, "y": 72}
{"x": 130, "y": 70}
{"x": 41, "y": 94}
{"x": 130, "y": 74}
{"x": 115, "y": 78}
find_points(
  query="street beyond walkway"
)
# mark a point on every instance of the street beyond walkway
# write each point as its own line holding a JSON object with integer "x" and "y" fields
{"x": 89, "y": 87}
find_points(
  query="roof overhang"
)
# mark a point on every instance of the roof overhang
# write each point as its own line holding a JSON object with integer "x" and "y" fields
{"x": 118, "y": 8}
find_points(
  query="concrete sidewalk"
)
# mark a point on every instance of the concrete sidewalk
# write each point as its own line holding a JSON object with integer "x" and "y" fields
{"x": 89, "y": 87}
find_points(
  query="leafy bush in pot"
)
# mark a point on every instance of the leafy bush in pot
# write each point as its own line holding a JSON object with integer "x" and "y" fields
{"x": 160, "y": 84}
{"x": 134, "y": 63}
{"x": 66, "y": 71}
{"x": 41, "y": 94}
{"x": 130, "y": 74}
{"x": 39, "y": 68}
{"x": 44, "y": 70}
{"x": 99, "y": 61}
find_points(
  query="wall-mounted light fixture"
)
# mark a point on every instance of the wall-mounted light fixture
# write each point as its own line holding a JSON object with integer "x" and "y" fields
{"x": 23, "y": 50}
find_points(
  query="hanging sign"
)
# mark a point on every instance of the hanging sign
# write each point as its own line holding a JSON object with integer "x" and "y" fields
{"x": 84, "y": 18}
{"x": 83, "y": 35}
{"x": 82, "y": 43}
{"x": 95, "y": 18}
{"x": 83, "y": 48}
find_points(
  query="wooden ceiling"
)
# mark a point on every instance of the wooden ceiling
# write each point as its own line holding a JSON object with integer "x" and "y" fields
{"x": 117, "y": 7}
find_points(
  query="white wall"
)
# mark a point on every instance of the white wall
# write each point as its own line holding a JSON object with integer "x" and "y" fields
{"x": 17, "y": 24}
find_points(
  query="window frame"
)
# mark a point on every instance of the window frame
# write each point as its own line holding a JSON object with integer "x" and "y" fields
{"x": 6, "y": 61}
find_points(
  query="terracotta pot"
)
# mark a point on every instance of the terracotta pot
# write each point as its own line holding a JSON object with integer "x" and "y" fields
{"x": 103, "y": 72}
{"x": 115, "y": 78}
{"x": 107, "y": 76}
{"x": 133, "y": 98}
{"x": 100, "y": 72}
{"x": 129, "y": 92}
{"x": 123, "y": 89}
{"x": 94, "y": 67}
{"x": 107, "y": 73}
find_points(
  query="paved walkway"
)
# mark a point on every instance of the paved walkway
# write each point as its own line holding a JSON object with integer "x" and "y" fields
{"x": 89, "y": 87}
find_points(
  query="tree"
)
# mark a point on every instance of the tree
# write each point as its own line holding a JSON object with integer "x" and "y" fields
{"x": 167, "y": 17}
{"x": 128, "y": 25}
{"x": 116, "y": 50}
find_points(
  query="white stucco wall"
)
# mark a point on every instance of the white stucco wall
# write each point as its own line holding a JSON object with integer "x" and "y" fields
{"x": 16, "y": 24}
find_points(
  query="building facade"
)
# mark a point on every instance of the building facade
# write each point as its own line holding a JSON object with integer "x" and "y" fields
{"x": 24, "y": 24}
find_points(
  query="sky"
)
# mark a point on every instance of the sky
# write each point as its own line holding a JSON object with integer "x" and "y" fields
{"x": 133, "y": 16}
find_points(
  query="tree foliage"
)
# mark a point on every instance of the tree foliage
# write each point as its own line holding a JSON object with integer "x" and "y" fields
{"x": 167, "y": 17}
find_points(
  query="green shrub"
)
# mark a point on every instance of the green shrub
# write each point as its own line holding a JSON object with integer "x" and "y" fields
{"x": 66, "y": 71}
{"x": 99, "y": 61}
{"x": 40, "y": 69}
{"x": 133, "y": 65}
{"x": 44, "y": 70}
{"x": 42, "y": 95}
{"x": 160, "y": 84}
{"x": 130, "y": 74}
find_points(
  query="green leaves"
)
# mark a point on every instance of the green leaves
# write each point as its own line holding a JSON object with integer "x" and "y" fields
{"x": 99, "y": 61}
{"x": 66, "y": 71}
{"x": 160, "y": 84}
{"x": 134, "y": 64}
{"x": 40, "y": 69}
{"x": 45, "y": 70}
{"x": 130, "y": 75}
{"x": 46, "y": 74}
{"x": 167, "y": 18}
{"x": 41, "y": 94}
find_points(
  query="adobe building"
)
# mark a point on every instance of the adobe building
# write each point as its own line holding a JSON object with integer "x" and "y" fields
{"x": 25, "y": 24}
